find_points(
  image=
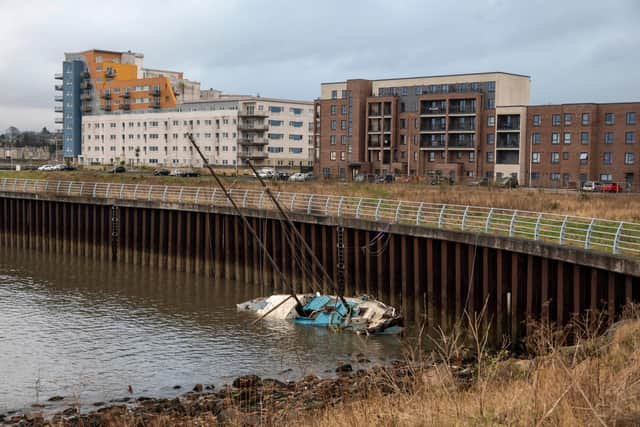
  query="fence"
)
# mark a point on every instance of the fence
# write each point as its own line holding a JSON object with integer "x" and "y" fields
{"x": 615, "y": 237}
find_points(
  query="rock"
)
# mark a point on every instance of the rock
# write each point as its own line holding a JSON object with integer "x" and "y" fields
{"x": 210, "y": 387}
{"x": 177, "y": 387}
{"x": 70, "y": 411}
{"x": 98, "y": 403}
{"x": 55, "y": 399}
{"x": 37, "y": 405}
{"x": 246, "y": 381}
{"x": 363, "y": 360}
{"x": 346, "y": 367}
{"x": 198, "y": 388}
{"x": 310, "y": 379}
{"x": 143, "y": 399}
{"x": 270, "y": 382}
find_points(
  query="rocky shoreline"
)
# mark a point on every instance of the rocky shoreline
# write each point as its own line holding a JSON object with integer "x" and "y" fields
{"x": 249, "y": 400}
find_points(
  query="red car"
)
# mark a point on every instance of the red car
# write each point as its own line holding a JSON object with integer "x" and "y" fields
{"x": 611, "y": 187}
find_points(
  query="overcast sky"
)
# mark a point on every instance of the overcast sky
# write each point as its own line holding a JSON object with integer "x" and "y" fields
{"x": 574, "y": 50}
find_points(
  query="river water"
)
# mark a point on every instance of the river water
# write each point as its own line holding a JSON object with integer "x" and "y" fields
{"x": 86, "y": 330}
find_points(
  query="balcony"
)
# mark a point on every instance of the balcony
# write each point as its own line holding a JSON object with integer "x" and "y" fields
{"x": 253, "y": 141}
{"x": 85, "y": 85}
{"x": 155, "y": 91}
{"x": 433, "y": 127}
{"x": 58, "y": 120}
{"x": 86, "y": 108}
{"x": 154, "y": 104}
{"x": 58, "y": 109}
{"x": 58, "y": 87}
{"x": 509, "y": 122}
{"x": 432, "y": 145}
{"x": 252, "y": 112}
{"x": 126, "y": 94}
{"x": 462, "y": 125}
{"x": 125, "y": 106}
{"x": 433, "y": 108}
{"x": 256, "y": 127}
{"x": 462, "y": 109}
{"x": 253, "y": 155}
{"x": 110, "y": 73}
{"x": 106, "y": 95}
{"x": 461, "y": 142}
{"x": 86, "y": 97}
{"x": 58, "y": 98}
{"x": 508, "y": 141}
{"x": 106, "y": 107}
{"x": 58, "y": 76}
{"x": 85, "y": 75}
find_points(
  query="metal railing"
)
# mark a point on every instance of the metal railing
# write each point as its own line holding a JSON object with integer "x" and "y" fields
{"x": 604, "y": 235}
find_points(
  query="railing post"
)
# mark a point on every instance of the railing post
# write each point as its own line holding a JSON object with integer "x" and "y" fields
{"x": 441, "y": 216}
{"x": 309, "y": 205}
{"x": 135, "y": 192}
{"x": 213, "y": 196}
{"x": 326, "y": 205}
{"x": 46, "y": 186}
{"x": 69, "y": 188}
{"x": 24, "y": 187}
{"x": 260, "y": 200}
{"x": 587, "y": 238}
{"x": 149, "y": 194}
{"x": 4, "y": 184}
{"x": 57, "y": 187}
{"x": 95, "y": 188}
{"x": 419, "y": 213}
{"x": 562, "y": 228}
{"x": 464, "y": 218}
{"x": 106, "y": 194}
{"x": 293, "y": 201}
{"x": 121, "y": 191}
{"x": 616, "y": 240}
{"x": 244, "y": 198}
{"x": 398, "y": 212}
{"x": 512, "y": 224}
{"x": 180, "y": 195}
{"x": 340, "y": 206}
{"x": 358, "y": 208}
{"x": 536, "y": 230}
{"x": 81, "y": 188}
{"x": 195, "y": 200}
{"x": 164, "y": 193}
{"x": 227, "y": 202}
{"x": 378, "y": 209}
{"x": 487, "y": 223}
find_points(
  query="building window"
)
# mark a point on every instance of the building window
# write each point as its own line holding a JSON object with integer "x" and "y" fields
{"x": 535, "y": 138}
{"x": 343, "y": 124}
{"x": 490, "y": 138}
{"x": 326, "y": 172}
{"x": 555, "y": 176}
{"x": 607, "y": 158}
{"x": 403, "y": 140}
{"x": 333, "y": 110}
{"x": 490, "y": 157}
{"x": 631, "y": 118}
{"x": 567, "y": 138}
{"x": 332, "y": 155}
{"x": 555, "y": 120}
{"x": 584, "y": 138}
{"x": 555, "y": 157}
{"x": 334, "y": 95}
{"x": 535, "y": 157}
{"x": 343, "y": 155}
{"x": 274, "y": 135}
{"x": 555, "y": 138}
{"x": 586, "y": 118}
{"x": 275, "y": 122}
{"x": 535, "y": 176}
{"x": 608, "y": 137}
{"x": 431, "y": 156}
{"x": 334, "y": 125}
{"x": 629, "y": 158}
{"x": 491, "y": 121}
{"x": 584, "y": 158}
{"x": 275, "y": 109}
{"x": 605, "y": 177}
{"x": 630, "y": 137}
{"x": 536, "y": 120}
{"x": 403, "y": 123}
{"x": 344, "y": 109}
{"x": 609, "y": 118}
{"x": 332, "y": 139}
{"x": 567, "y": 119}
{"x": 565, "y": 155}
{"x": 472, "y": 156}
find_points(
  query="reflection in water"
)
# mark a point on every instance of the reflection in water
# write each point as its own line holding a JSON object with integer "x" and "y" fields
{"x": 86, "y": 330}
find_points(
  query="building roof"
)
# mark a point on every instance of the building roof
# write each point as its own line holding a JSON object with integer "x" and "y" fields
{"x": 434, "y": 76}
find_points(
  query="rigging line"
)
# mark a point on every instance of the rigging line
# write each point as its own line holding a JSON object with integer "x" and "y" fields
{"x": 298, "y": 259}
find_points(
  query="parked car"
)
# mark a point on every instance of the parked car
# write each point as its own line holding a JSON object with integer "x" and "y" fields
{"x": 281, "y": 175}
{"x": 308, "y": 176}
{"x": 266, "y": 173}
{"x": 45, "y": 168}
{"x": 480, "y": 182}
{"x": 591, "y": 186}
{"x": 507, "y": 182}
{"x": 369, "y": 177}
{"x": 184, "y": 173}
{"x": 297, "y": 177}
{"x": 161, "y": 172}
{"x": 118, "y": 169}
{"x": 611, "y": 187}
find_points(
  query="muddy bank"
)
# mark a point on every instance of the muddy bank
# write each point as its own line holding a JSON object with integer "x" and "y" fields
{"x": 248, "y": 400}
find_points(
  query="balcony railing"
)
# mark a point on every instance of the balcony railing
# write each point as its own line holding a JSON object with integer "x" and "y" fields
{"x": 257, "y": 155}
{"x": 154, "y": 104}
{"x": 252, "y": 112}
{"x": 154, "y": 91}
{"x": 106, "y": 107}
{"x": 58, "y": 87}
{"x": 593, "y": 234}
{"x": 110, "y": 73}
{"x": 58, "y": 76}
{"x": 106, "y": 95}
{"x": 85, "y": 85}
{"x": 436, "y": 128}
{"x": 58, "y": 109}
{"x": 125, "y": 94}
{"x": 253, "y": 141}
{"x": 460, "y": 144}
{"x": 432, "y": 145}
{"x": 58, "y": 120}
{"x": 462, "y": 127}
{"x": 58, "y": 98}
{"x": 510, "y": 125}
{"x": 85, "y": 96}
{"x": 508, "y": 144}
{"x": 86, "y": 108}
{"x": 433, "y": 111}
{"x": 456, "y": 109}
{"x": 85, "y": 75}
{"x": 125, "y": 106}
{"x": 253, "y": 126}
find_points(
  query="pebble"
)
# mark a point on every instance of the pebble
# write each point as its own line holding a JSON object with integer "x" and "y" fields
{"x": 55, "y": 398}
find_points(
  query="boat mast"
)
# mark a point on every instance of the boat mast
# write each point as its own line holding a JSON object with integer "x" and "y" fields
{"x": 298, "y": 235}
{"x": 247, "y": 225}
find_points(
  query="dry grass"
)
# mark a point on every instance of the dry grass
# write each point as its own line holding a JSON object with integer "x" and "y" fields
{"x": 607, "y": 206}
{"x": 594, "y": 382}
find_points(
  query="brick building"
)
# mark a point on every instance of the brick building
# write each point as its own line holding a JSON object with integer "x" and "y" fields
{"x": 471, "y": 125}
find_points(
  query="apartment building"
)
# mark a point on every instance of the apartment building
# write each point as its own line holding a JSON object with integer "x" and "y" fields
{"x": 569, "y": 144}
{"x": 230, "y": 131}
{"x": 456, "y": 126}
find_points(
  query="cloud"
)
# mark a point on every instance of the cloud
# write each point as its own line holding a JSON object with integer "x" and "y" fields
{"x": 574, "y": 50}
